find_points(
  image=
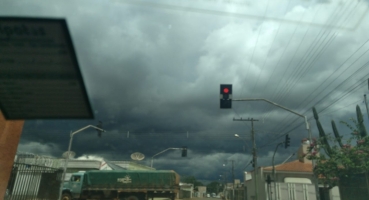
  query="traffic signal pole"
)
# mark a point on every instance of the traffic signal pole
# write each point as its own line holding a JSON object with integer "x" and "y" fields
{"x": 307, "y": 128}
{"x": 253, "y": 152}
{"x": 273, "y": 171}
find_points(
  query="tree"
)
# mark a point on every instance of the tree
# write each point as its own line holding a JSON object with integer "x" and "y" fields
{"x": 214, "y": 187}
{"x": 343, "y": 159}
{"x": 191, "y": 180}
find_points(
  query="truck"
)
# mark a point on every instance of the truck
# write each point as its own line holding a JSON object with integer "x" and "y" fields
{"x": 121, "y": 185}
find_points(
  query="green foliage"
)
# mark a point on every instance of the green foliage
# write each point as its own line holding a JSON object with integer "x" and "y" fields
{"x": 214, "y": 187}
{"x": 344, "y": 160}
{"x": 191, "y": 180}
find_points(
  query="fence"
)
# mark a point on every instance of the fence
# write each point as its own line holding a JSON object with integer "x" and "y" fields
{"x": 33, "y": 182}
{"x": 34, "y": 159}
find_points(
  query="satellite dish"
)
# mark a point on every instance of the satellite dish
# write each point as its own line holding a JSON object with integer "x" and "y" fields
{"x": 71, "y": 154}
{"x": 137, "y": 156}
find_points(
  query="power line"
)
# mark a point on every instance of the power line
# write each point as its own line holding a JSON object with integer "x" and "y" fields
{"x": 257, "y": 39}
{"x": 348, "y": 78}
{"x": 267, "y": 56}
{"x": 299, "y": 125}
{"x": 311, "y": 64}
{"x": 308, "y": 55}
{"x": 279, "y": 84}
{"x": 327, "y": 113}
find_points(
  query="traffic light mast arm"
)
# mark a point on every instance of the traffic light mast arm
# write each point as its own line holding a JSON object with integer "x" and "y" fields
{"x": 284, "y": 108}
{"x": 162, "y": 152}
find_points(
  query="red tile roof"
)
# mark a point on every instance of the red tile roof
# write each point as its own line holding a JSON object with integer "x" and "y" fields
{"x": 294, "y": 166}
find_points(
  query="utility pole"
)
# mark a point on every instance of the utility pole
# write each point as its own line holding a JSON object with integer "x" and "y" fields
{"x": 253, "y": 152}
{"x": 366, "y": 104}
{"x": 233, "y": 171}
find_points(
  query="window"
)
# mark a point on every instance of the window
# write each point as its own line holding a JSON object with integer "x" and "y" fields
{"x": 76, "y": 178}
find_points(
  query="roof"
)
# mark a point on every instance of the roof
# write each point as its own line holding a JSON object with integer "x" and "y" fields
{"x": 293, "y": 166}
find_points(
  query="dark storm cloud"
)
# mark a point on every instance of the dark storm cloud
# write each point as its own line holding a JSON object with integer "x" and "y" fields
{"x": 153, "y": 74}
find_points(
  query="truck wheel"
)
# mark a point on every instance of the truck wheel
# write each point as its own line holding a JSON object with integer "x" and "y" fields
{"x": 66, "y": 196}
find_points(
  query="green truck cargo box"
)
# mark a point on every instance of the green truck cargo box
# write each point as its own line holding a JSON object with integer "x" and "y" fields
{"x": 131, "y": 179}
{"x": 121, "y": 185}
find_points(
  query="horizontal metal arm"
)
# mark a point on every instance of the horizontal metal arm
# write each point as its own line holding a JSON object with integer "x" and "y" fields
{"x": 165, "y": 151}
{"x": 284, "y": 108}
{"x": 86, "y": 127}
{"x": 152, "y": 158}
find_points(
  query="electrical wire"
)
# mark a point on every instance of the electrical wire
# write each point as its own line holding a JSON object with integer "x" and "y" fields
{"x": 300, "y": 124}
{"x": 279, "y": 84}
{"x": 307, "y": 56}
{"x": 270, "y": 47}
{"x": 257, "y": 40}
{"x": 298, "y": 77}
{"x": 327, "y": 113}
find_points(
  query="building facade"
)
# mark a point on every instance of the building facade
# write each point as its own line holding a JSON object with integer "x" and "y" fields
{"x": 292, "y": 180}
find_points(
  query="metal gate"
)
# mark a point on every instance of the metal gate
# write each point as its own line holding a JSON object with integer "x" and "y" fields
{"x": 32, "y": 182}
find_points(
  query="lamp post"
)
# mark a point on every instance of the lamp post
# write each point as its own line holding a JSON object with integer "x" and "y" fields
{"x": 273, "y": 171}
{"x": 254, "y": 160}
{"x": 237, "y": 136}
{"x": 98, "y": 128}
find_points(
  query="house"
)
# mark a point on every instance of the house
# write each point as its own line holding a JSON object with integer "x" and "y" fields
{"x": 201, "y": 191}
{"x": 186, "y": 191}
{"x": 292, "y": 180}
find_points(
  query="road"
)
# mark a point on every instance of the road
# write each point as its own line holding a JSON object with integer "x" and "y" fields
{"x": 204, "y": 198}
{"x": 194, "y": 198}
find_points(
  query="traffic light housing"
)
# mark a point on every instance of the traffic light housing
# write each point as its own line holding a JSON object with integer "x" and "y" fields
{"x": 225, "y": 96}
{"x": 268, "y": 180}
{"x": 184, "y": 151}
{"x": 287, "y": 142}
{"x": 99, "y": 131}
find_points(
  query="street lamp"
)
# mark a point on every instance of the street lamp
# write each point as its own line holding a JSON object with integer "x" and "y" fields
{"x": 98, "y": 128}
{"x": 237, "y": 136}
{"x": 152, "y": 158}
{"x": 254, "y": 162}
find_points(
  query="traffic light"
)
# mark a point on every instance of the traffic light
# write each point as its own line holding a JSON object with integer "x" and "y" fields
{"x": 99, "y": 131}
{"x": 287, "y": 142}
{"x": 225, "y": 96}
{"x": 268, "y": 180}
{"x": 184, "y": 151}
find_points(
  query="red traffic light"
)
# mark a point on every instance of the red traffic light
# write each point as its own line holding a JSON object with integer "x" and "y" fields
{"x": 226, "y": 90}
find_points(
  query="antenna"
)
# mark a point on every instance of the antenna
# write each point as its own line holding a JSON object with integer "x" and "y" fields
{"x": 137, "y": 156}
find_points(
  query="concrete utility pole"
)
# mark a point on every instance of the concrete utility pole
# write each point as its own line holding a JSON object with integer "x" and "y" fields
{"x": 253, "y": 152}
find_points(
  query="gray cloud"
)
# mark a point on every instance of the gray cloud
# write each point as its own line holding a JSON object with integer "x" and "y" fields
{"x": 155, "y": 73}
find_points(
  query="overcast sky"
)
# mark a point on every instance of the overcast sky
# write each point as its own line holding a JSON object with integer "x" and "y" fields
{"x": 152, "y": 73}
